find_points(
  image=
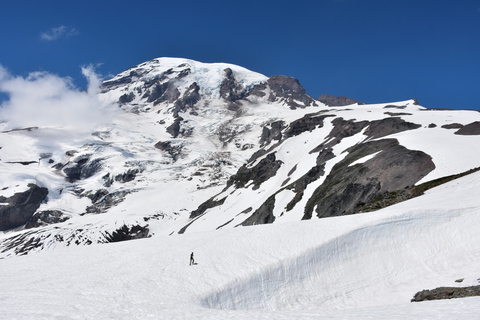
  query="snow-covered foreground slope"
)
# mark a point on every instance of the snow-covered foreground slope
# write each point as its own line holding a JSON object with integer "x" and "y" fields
{"x": 349, "y": 267}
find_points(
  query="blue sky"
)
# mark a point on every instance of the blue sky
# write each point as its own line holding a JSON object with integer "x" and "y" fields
{"x": 369, "y": 50}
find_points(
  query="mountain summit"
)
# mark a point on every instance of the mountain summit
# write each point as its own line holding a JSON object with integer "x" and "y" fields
{"x": 197, "y": 146}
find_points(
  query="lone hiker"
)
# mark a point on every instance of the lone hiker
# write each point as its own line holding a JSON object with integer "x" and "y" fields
{"x": 191, "y": 259}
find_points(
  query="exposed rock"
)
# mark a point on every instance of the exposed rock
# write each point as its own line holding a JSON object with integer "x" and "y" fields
{"x": 128, "y": 233}
{"x": 210, "y": 203}
{"x": 337, "y": 101}
{"x": 23, "y": 163}
{"x": 261, "y": 172}
{"x": 174, "y": 128}
{"x": 126, "y": 98}
{"x": 102, "y": 200}
{"x": 46, "y": 217}
{"x": 341, "y": 129}
{"x": 398, "y": 114}
{"x": 230, "y": 89}
{"x": 258, "y": 90}
{"x": 446, "y": 293}
{"x": 82, "y": 168}
{"x": 393, "y": 168}
{"x": 301, "y": 184}
{"x": 112, "y": 84}
{"x": 309, "y": 122}
{"x": 263, "y": 215}
{"x": 174, "y": 151}
{"x": 163, "y": 92}
{"x": 272, "y": 133}
{"x": 452, "y": 126}
{"x": 392, "y": 106}
{"x": 388, "y": 126}
{"x": 19, "y": 208}
{"x": 470, "y": 129}
{"x": 289, "y": 90}
{"x": 127, "y": 176}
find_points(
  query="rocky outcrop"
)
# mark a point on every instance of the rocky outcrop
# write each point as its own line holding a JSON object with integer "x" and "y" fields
{"x": 18, "y": 209}
{"x": 230, "y": 89}
{"x": 82, "y": 167}
{"x": 388, "y": 126}
{"x": 336, "y": 101}
{"x": 452, "y": 126}
{"x": 125, "y": 233}
{"x": 470, "y": 129}
{"x": 392, "y": 168}
{"x": 288, "y": 90}
{"x": 261, "y": 172}
{"x": 308, "y": 122}
{"x": 263, "y": 215}
{"x": 272, "y": 132}
{"x": 170, "y": 148}
{"x": 102, "y": 200}
{"x": 46, "y": 217}
{"x": 446, "y": 293}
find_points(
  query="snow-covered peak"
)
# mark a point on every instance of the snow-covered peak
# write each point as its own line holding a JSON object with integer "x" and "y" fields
{"x": 208, "y": 76}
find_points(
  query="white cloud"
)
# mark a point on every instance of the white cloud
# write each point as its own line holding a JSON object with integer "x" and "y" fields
{"x": 43, "y": 99}
{"x": 60, "y": 32}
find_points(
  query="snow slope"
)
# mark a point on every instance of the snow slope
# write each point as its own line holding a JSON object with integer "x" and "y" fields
{"x": 350, "y": 267}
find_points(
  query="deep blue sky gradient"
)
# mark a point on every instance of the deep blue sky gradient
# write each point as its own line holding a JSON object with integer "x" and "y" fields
{"x": 370, "y": 50}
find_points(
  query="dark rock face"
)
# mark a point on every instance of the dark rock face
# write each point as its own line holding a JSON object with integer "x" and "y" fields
{"x": 446, "y": 293}
{"x": 230, "y": 89}
{"x": 190, "y": 97}
{"x": 341, "y": 129}
{"x": 174, "y": 128}
{"x": 289, "y": 90}
{"x": 163, "y": 92}
{"x": 388, "y": 126}
{"x": 453, "y": 126}
{"x": 126, "y": 98}
{"x": 102, "y": 200}
{"x": 46, "y": 217}
{"x": 301, "y": 184}
{"x": 336, "y": 101}
{"x": 125, "y": 177}
{"x": 128, "y": 233}
{"x": 272, "y": 133}
{"x": 263, "y": 215}
{"x": 82, "y": 168}
{"x": 470, "y": 129}
{"x": 308, "y": 122}
{"x": 174, "y": 151}
{"x": 261, "y": 172}
{"x": 210, "y": 203}
{"x": 394, "y": 168}
{"x": 21, "y": 207}
{"x": 258, "y": 90}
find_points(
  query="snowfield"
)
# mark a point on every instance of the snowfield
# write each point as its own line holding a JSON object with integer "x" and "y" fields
{"x": 365, "y": 266}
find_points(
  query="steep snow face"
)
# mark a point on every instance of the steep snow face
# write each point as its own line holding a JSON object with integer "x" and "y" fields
{"x": 195, "y": 147}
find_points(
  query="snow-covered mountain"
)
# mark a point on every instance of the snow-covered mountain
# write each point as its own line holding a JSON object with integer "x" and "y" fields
{"x": 188, "y": 146}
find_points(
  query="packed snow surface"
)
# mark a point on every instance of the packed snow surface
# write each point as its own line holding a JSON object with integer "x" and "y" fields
{"x": 351, "y": 267}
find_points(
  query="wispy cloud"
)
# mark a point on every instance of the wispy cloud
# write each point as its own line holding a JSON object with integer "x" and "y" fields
{"x": 57, "y": 33}
{"x": 46, "y": 100}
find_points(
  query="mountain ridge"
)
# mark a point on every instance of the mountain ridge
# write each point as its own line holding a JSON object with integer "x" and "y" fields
{"x": 196, "y": 147}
